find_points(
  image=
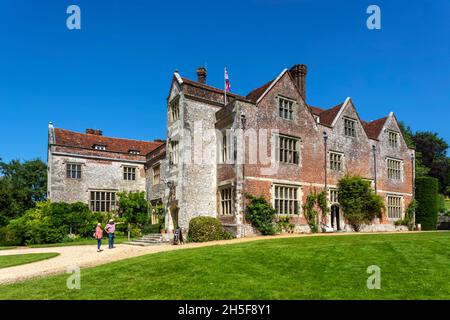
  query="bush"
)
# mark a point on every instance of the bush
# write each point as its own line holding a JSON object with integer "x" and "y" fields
{"x": 150, "y": 229}
{"x": 261, "y": 215}
{"x": 442, "y": 208}
{"x": 408, "y": 220}
{"x": 359, "y": 202}
{"x": 202, "y": 229}
{"x": 426, "y": 196}
{"x": 50, "y": 223}
{"x": 284, "y": 224}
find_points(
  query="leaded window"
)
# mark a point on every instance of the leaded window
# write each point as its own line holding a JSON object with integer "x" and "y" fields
{"x": 73, "y": 170}
{"x": 286, "y": 199}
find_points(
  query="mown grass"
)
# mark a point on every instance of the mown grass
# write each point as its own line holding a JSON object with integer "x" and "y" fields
{"x": 18, "y": 259}
{"x": 413, "y": 266}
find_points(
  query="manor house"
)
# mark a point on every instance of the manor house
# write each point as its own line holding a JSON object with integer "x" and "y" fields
{"x": 220, "y": 147}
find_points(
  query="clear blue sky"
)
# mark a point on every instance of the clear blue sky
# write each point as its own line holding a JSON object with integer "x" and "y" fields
{"x": 114, "y": 74}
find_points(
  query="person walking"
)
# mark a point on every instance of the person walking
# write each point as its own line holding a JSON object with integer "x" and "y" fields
{"x": 99, "y": 236}
{"x": 110, "y": 229}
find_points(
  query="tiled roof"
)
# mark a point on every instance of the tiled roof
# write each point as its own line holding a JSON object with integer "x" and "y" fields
{"x": 327, "y": 116}
{"x": 315, "y": 110}
{"x": 83, "y": 140}
{"x": 258, "y": 92}
{"x": 374, "y": 128}
{"x": 210, "y": 88}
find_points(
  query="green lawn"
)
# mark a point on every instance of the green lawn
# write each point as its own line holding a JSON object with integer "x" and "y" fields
{"x": 18, "y": 259}
{"x": 413, "y": 266}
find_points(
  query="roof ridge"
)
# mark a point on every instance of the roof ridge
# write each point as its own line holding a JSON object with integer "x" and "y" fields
{"x": 109, "y": 137}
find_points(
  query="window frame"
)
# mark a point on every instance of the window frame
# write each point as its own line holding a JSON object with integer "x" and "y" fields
{"x": 174, "y": 108}
{"x": 288, "y": 151}
{"x": 129, "y": 173}
{"x": 174, "y": 156}
{"x": 158, "y": 165}
{"x": 336, "y": 161}
{"x": 101, "y": 202}
{"x": 393, "y": 143}
{"x": 394, "y": 202}
{"x": 394, "y": 173}
{"x": 284, "y": 202}
{"x": 286, "y": 107}
{"x": 74, "y": 174}
{"x": 226, "y": 200}
{"x": 350, "y": 131}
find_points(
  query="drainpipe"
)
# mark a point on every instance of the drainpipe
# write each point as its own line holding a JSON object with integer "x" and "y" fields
{"x": 325, "y": 138}
{"x": 243, "y": 121}
{"x": 374, "y": 151}
{"x": 413, "y": 164}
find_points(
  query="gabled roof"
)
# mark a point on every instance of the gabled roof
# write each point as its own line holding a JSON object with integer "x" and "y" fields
{"x": 87, "y": 141}
{"x": 327, "y": 117}
{"x": 207, "y": 87}
{"x": 255, "y": 94}
{"x": 373, "y": 128}
{"x": 315, "y": 110}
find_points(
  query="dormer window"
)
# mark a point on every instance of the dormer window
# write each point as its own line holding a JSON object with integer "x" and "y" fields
{"x": 349, "y": 127}
{"x": 286, "y": 108}
{"x": 99, "y": 147}
{"x": 134, "y": 152}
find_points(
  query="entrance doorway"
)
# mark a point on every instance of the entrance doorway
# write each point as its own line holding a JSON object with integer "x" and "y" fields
{"x": 174, "y": 217}
{"x": 335, "y": 218}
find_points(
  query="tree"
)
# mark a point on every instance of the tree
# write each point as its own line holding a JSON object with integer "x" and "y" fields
{"x": 408, "y": 135}
{"x": 133, "y": 208}
{"x": 359, "y": 202}
{"x": 22, "y": 185}
{"x": 427, "y": 199}
{"x": 431, "y": 146}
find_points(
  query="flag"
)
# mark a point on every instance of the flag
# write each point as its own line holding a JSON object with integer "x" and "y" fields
{"x": 227, "y": 81}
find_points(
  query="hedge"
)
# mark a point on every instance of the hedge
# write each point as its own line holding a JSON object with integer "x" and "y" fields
{"x": 202, "y": 229}
{"x": 426, "y": 196}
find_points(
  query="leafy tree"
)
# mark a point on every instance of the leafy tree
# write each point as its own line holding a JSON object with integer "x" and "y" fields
{"x": 22, "y": 185}
{"x": 431, "y": 146}
{"x": 133, "y": 208}
{"x": 408, "y": 135}
{"x": 315, "y": 201}
{"x": 359, "y": 202}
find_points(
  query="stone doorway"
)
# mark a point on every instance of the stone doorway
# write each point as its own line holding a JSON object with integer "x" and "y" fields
{"x": 335, "y": 217}
{"x": 173, "y": 223}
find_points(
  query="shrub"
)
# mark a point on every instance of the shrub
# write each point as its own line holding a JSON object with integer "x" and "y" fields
{"x": 359, "y": 202}
{"x": 426, "y": 196}
{"x": 202, "y": 229}
{"x": 441, "y": 203}
{"x": 313, "y": 201}
{"x": 284, "y": 224}
{"x": 50, "y": 223}
{"x": 150, "y": 228}
{"x": 261, "y": 215}
{"x": 408, "y": 220}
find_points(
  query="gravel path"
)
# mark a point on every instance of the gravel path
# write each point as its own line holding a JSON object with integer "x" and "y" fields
{"x": 87, "y": 256}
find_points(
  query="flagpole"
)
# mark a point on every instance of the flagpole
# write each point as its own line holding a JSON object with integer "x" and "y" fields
{"x": 225, "y": 85}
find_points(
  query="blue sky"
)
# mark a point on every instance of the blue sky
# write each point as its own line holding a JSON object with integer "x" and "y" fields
{"x": 114, "y": 74}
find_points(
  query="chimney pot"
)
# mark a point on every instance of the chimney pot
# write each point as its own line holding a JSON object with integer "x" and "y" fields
{"x": 299, "y": 72}
{"x": 201, "y": 74}
{"x": 94, "y": 132}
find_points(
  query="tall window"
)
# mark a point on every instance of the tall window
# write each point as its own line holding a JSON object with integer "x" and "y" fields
{"x": 349, "y": 127}
{"x": 287, "y": 149}
{"x": 175, "y": 109}
{"x": 156, "y": 174}
{"x": 393, "y": 139}
{"x": 173, "y": 154}
{"x": 394, "y": 205}
{"x": 226, "y": 149}
{"x": 73, "y": 171}
{"x": 129, "y": 173}
{"x": 103, "y": 201}
{"x": 333, "y": 196}
{"x": 394, "y": 168}
{"x": 226, "y": 200}
{"x": 286, "y": 108}
{"x": 286, "y": 200}
{"x": 335, "y": 161}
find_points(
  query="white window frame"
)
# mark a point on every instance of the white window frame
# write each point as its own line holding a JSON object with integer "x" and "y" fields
{"x": 174, "y": 152}
{"x": 333, "y": 196}
{"x": 174, "y": 107}
{"x": 154, "y": 174}
{"x": 75, "y": 174}
{"x": 393, "y": 138}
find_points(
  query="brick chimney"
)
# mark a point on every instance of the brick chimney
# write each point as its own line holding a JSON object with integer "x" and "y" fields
{"x": 94, "y": 132}
{"x": 298, "y": 72}
{"x": 201, "y": 74}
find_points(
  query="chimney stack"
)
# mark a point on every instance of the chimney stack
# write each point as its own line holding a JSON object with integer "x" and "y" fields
{"x": 94, "y": 132}
{"x": 201, "y": 74}
{"x": 298, "y": 72}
